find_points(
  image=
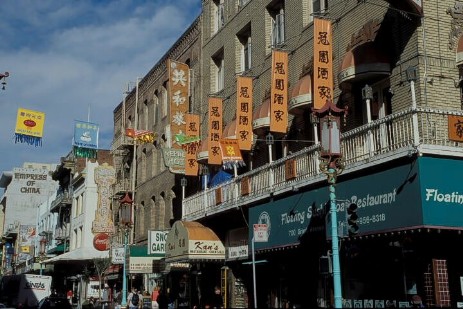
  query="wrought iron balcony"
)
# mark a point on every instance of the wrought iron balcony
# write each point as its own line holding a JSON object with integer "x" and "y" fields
{"x": 121, "y": 141}
{"x": 64, "y": 198}
{"x": 402, "y": 134}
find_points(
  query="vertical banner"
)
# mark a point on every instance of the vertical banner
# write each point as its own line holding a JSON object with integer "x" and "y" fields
{"x": 244, "y": 112}
{"x": 323, "y": 63}
{"x": 279, "y": 92}
{"x": 29, "y": 127}
{"x": 215, "y": 131}
{"x": 192, "y": 145}
{"x": 179, "y": 86}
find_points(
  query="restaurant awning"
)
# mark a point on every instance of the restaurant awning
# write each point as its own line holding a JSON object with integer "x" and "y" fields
{"x": 80, "y": 254}
{"x": 192, "y": 241}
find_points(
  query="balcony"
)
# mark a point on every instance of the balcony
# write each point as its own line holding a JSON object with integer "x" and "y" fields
{"x": 120, "y": 142}
{"x": 63, "y": 232}
{"x": 121, "y": 187}
{"x": 64, "y": 198}
{"x": 409, "y": 132}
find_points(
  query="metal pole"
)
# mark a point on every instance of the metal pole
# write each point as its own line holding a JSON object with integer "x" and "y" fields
{"x": 124, "y": 275}
{"x": 334, "y": 243}
{"x": 254, "y": 272}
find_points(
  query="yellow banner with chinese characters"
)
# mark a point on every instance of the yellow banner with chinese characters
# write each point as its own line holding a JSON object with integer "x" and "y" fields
{"x": 279, "y": 92}
{"x": 244, "y": 132}
{"x": 323, "y": 63}
{"x": 215, "y": 131}
{"x": 29, "y": 127}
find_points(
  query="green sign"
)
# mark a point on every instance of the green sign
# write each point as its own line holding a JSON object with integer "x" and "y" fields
{"x": 423, "y": 193}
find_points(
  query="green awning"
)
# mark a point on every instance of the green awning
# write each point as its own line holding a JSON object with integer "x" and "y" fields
{"x": 56, "y": 250}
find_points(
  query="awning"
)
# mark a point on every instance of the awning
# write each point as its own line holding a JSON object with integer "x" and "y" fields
{"x": 192, "y": 241}
{"x": 261, "y": 118}
{"x": 411, "y": 6}
{"x": 459, "y": 55}
{"x": 56, "y": 250}
{"x": 230, "y": 130}
{"x": 301, "y": 95}
{"x": 362, "y": 62}
{"x": 80, "y": 254}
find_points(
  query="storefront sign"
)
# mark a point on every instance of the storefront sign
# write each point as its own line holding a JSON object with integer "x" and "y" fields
{"x": 101, "y": 242}
{"x": 139, "y": 261}
{"x": 117, "y": 255}
{"x": 407, "y": 196}
{"x": 192, "y": 240}
{"x": 157, "y": 242}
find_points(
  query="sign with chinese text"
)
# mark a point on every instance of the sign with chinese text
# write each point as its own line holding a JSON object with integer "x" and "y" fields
{"x": 231, "y": 154}
{"x": 323, "y": 63}
{"x": 29, "y": 127}
{"x": 105, "y": 177}
{"x": 179, "y": 86}
{"x": 192, "y": 145}
{"x": 260, "y": 233}
{"x": 455, "y": 128}
{"x": 215, "y": 131}
{"x": 244, "y": 132}
{"x": 279, "y": 92}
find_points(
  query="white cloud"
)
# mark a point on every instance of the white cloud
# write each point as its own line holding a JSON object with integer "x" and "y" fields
{"x": 64, "y": 57}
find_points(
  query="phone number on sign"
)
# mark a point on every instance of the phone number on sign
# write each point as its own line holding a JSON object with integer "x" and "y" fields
{"x": 372, "y": 219}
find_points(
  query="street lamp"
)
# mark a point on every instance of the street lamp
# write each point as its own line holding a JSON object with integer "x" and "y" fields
{"x": 269, "y": 140}
{"x": 125, "y": 217}
{"x": 331, "y": 164}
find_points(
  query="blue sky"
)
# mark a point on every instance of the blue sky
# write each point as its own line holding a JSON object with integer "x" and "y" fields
{"x": 73, "y": 59}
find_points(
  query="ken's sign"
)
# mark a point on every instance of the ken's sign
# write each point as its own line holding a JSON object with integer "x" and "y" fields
{"x": 157, "y": 242}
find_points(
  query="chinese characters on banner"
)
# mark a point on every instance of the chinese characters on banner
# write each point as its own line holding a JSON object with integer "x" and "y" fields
{"x": 29, "y": 127}
{"x": 231, "y": 154}
{"x": 179, "y": 86}
{"x": 279, "y": 92}
{"x": 215, "y": 131}
{"x": 323, "y": 64}
{"x": 192, "y": 146}
{"x": 455, "y": 129}
{"x": 244, "y": 112}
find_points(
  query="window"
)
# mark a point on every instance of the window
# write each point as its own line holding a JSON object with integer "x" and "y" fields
{"x": 164, "y": 99}
{"x": 278, "y": 25}
{"x": 218, "y": 70}
{"x": 145, "y": 115}
{"x": 218, "y": 14}
{"x": 244, "y": 38}
{"x": 155, "y": 107}
{"x": 319, "y": 7}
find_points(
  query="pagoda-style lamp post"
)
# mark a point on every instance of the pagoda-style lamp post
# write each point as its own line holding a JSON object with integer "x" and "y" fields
{"x": 125, "y": 217}
{"x": 331, "y": 164}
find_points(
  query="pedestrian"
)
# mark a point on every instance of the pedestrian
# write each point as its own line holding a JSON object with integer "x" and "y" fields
{"x": 162, "y": 299}
{"x": 105, "y": 297}
{"x": 217, "y": 300}
{"x": 133, "y": 299}
{"x": 417, "y": 302}
{"x": 69, "y": 295}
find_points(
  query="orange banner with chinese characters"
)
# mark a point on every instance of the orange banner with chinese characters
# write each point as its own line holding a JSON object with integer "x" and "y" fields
{"x": 179, "y": 87}
{"x": 215, "y": 131}
{"x": 192, "y": 148}
{"x": 279, "y": 92}
{"x": 455, "y": 128}
{"x": 323, "y": 63}
{"x": 231, "y": 154}
{"x": 244, "y": 132}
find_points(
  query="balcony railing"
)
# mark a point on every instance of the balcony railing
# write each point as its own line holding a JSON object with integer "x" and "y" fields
{"x": 62, "y": 199}
{"x": 63, "y": 232}
{"x": 121, "y": 141}
{"x": 121, "y": 186}
{"x": 401, "y": 134}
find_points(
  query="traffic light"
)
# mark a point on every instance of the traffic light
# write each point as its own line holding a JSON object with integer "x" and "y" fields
{"x": 352, "y": 218}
